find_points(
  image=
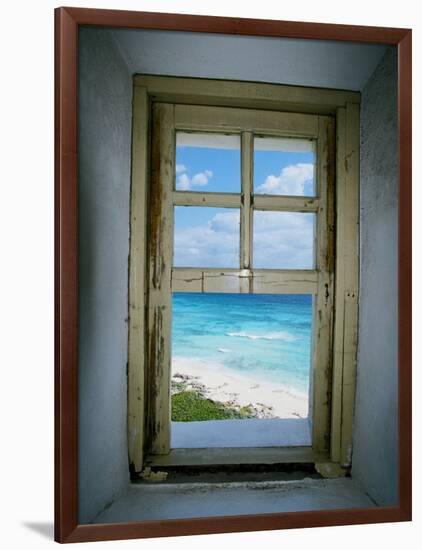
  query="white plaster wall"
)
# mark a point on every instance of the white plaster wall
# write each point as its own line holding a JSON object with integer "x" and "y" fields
{"x": 319, "y": 63}
{"x": 105, "y": 93}
{"x": 375, "y": 428}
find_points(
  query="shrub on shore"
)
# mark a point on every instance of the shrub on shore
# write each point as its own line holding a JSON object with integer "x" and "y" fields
{"x": 190, "y": 405}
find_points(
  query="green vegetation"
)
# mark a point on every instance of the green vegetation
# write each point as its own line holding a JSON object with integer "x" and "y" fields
{"x": 190, "y": 405}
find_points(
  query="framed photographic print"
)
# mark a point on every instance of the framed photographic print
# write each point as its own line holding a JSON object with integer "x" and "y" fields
{"x": 233, "y": 274}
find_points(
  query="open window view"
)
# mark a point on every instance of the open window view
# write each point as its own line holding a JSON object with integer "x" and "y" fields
{"x": 240, "y": 356}
{"x": 241, "y": 359}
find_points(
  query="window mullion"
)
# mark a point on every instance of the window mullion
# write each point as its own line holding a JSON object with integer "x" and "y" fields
{"x": 245, "y": 208}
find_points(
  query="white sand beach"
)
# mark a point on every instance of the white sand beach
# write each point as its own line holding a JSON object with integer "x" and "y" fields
{"x": 269, "y": 399}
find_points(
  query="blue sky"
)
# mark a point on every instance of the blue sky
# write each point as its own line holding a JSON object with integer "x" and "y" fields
{"x": 209, "y": 237}
{"x": 221, "y": 168}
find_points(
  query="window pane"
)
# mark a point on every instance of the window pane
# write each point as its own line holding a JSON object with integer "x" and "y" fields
{"x": 283, "y": 240}
{"x": 208, "y": 162}
{"x": 240, "y": 356}
{"x": 284, "y": 166}
{"x": 206, "y": 237}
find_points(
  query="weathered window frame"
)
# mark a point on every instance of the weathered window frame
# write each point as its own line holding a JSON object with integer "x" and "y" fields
{"x": 332, "y": 437}
{"x": 167, "y": 119}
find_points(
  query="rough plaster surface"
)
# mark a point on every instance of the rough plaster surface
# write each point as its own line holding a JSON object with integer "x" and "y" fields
{"x": 173, "y": 501}
{"x": 319, "y": 63}
{"x": 105, "y": 93}
{"x": 375, "y": 428}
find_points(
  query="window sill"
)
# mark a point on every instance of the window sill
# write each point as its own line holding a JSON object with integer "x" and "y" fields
{"x": 181, "y": 501}
{"x": 235, "y": 455}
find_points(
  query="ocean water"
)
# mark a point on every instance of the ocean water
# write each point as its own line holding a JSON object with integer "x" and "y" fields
{"x": 264, "y": 336}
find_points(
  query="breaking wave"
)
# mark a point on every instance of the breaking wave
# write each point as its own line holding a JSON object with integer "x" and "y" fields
{"x": 286, "y": 336}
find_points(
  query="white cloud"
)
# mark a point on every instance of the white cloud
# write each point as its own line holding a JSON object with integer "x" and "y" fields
{"x": 291, "y": 181}
{"x": 212, "y": 243}
{"x": 185, "y": 183}
{"x": 281, "y": 240}
{"x": 225, "y": 222}
{"x": 180, "y": 168}
{"x": 201, "y": 178}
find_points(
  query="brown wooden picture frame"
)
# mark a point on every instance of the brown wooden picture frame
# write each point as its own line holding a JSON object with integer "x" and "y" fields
{"x": 67, "y": 21}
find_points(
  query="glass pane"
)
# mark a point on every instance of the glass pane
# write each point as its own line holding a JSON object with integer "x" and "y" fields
{"x": 283, "y": 240}
{"x": 240, "y": 356}
{"x": 284, "y": 166}
{"x": 208, "y": 162}
{"x": 206, "y": 237}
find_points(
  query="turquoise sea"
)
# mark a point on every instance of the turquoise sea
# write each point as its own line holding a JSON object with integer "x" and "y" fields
{"x": 267, "y": 337}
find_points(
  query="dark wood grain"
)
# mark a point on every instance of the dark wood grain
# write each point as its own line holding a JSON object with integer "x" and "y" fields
{"x": 209, "y": 525}
{"x": 234, "y": 25}
{"x": 405, "y": 272}
{"x": 67, "y": 21}
{"x": 66, "y": 262}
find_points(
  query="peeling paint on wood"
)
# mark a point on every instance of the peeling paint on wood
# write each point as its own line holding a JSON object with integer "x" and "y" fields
{"x": 347, "y": 265}
{"x": 160, "y": 243}
{"x": 319, "y": 282}
{"x": 286, "y": 204}
{"x": 245, "y": 281}
{"x": 218, "y": 200}
{"x": 148, "y": 475}
{"x": 233, "y": 455}
{"x": 351, "y": 284}
{"x": 205, "y": 118}
{"x": 254, "y": 95}
{"x": 322, "y": 357}
{"x": 137, "y": 281}
{"x": 330, "y": 470}
{"x": 246, "y": 213}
